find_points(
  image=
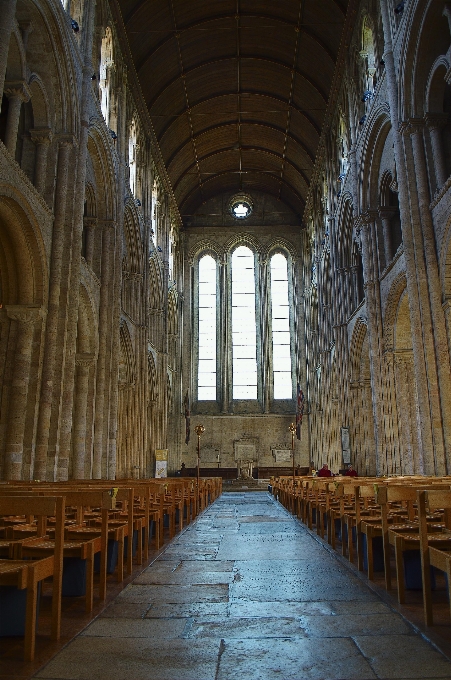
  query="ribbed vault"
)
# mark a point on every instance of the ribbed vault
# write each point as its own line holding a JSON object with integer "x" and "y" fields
{"x": 236, "y": 90}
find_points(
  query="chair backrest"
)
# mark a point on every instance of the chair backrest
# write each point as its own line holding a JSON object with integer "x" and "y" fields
{"x": 41, "y": 507}
{"x": 430, "y": 500}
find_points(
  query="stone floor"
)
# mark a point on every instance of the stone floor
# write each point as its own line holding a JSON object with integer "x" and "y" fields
{"x": 246, "y": 592}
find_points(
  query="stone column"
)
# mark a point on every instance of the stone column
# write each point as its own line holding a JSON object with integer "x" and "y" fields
{"x": 116, "y": 287}
{"x": 104, "y": 332}
{"x": 164, "y": 240}
{"x": 51, "y": 334}
{"x": 17, "y": 93}
{"x": 393, "y": 435}
{"x": 435, "y": 122}
{"x": 367, "y": 222}
{"x": 83, "y": 363}
{"x": 41, "y": 140}
{"x": 66, "y": 413}
{"x": 421, "y": 378}
{"x": 7, "y": 20}
{"x": 385, "y": 214}
{"x": 89, "y": 225}
{"x": 438, "y": 338}
{"x": 25, "y": 318}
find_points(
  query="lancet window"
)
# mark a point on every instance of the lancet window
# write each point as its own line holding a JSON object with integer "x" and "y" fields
{"x": 206, "y": 374}
{"x": 280, "y": 321}
{"x": 243, "y": 353}
{"x": 244, "y": 332}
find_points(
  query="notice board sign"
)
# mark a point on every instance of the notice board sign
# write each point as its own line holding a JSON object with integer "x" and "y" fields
{"x": 161, "y": 463}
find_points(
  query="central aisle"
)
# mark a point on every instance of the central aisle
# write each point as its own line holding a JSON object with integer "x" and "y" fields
{"x": 246, "y": 593}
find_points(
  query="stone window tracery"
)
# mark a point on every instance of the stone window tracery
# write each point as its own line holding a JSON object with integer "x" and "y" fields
{"x": 241, "y": 353}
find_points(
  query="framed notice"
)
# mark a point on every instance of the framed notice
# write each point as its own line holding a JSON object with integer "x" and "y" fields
{"x": 282, "y": 455}
{"x": 345, "y": 445}
{"x": 161, "y": 463}
{"x": 245, "y": 451}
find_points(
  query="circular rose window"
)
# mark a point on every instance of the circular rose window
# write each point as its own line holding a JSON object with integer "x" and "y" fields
{"x": 241, "y": 206}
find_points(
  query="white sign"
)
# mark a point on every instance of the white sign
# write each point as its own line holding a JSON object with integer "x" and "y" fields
{"x": 282, "y": 455}
{"x": 161, "y": 469}
{"x": 161, "y": 463}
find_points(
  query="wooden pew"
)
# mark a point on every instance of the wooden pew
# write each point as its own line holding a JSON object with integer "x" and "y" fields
{"x": 28, "y": 573}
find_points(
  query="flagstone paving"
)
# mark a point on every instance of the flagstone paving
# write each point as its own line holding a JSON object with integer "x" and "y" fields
{"x": 247, "y": 592}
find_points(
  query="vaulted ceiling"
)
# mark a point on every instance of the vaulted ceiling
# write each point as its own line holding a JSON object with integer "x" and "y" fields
{"x": 236, "y": 90}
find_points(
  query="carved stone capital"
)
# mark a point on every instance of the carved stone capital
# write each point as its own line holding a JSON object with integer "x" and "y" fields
{"x": 435, "y": 121}
{"x": 135, "y": 276}
{"x": 84, "y": 360}
{"x": 41, "y": 136}
{"x": 66, "y": 140}
{"x": 366, "y": 218}
{"x": 17, "y": 88}
{"x": 106, "y": 224}
{"x": 24, "y": 314}
{"x": 416, "y": 126}
{"x": 90, "y": 222}
{"x": 404, "y": 127}
{"x": 386, "y": 212}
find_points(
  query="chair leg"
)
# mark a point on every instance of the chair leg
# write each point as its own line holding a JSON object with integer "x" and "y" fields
{"x": 90, "y": 578}
{"x": 120, "y": 557}
{"x": 350, "y": 544}
{"x": 139, "y": 551}
{"x": 399, "y": 570}
{"x": 387, "y": 564}
{"x": 30, "y": 621}
{"x": 426, "y": 580}
{"x": 360, "y": 549}
{"x": 369, "y": 556}
{"x": 448, "y": 575}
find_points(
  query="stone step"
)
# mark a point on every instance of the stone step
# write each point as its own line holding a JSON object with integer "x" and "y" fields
{"x": 245, "y": 485}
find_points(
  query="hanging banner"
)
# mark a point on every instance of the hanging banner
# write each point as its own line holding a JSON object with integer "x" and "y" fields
{"x": 161, "y": 463}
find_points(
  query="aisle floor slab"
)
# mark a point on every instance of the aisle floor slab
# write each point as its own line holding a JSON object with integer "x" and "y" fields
{"x": 247, "y": 592}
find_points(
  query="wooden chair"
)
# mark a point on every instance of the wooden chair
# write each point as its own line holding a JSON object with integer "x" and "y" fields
{"x": 434, "y": 552}
{"x": 403, "y": 536}
{"x": 28, "y": 573}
